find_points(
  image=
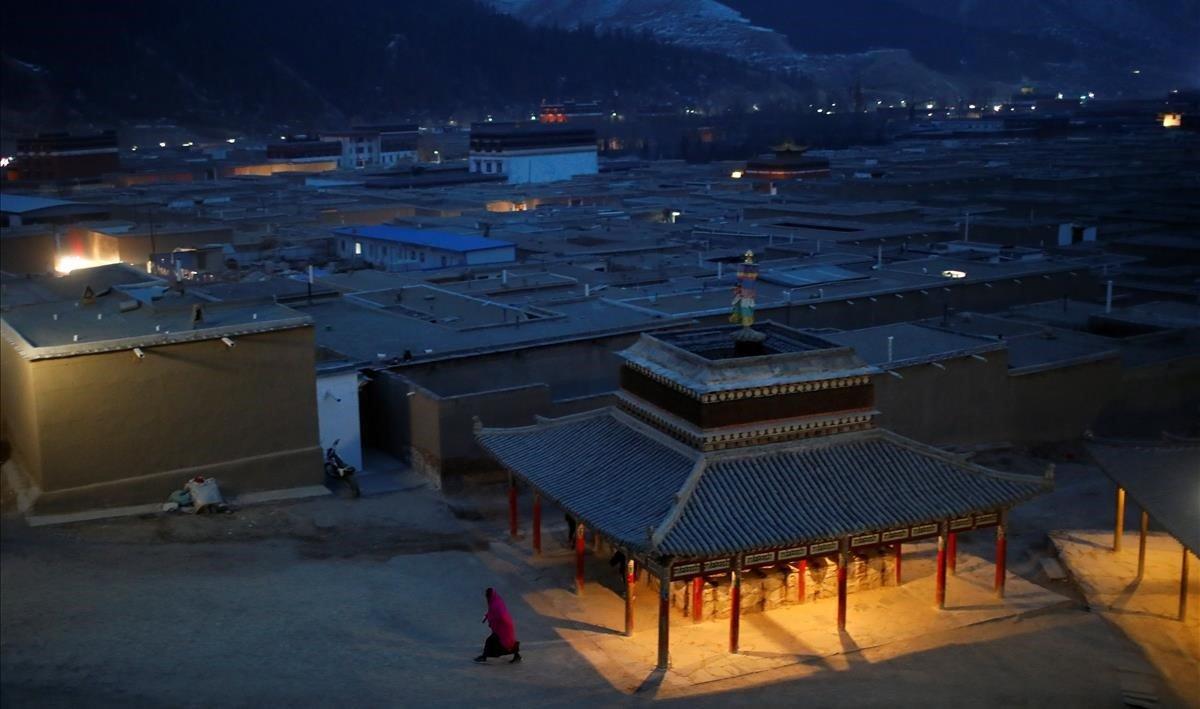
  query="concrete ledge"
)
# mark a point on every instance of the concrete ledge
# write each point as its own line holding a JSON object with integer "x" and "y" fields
{"x": 250, "y": 498}
{"x": 270, "y": 471}
{"x": 91, "y": 515}
{"x": 294, "y": 493}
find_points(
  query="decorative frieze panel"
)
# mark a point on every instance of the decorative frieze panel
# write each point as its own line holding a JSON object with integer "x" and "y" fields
{"x": 858, "y": 543}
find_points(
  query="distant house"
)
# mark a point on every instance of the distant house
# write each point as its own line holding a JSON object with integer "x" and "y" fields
{"x": 62, "y": 157}
{"x": 528, "y": 153}
{"x": 394, "y": 248}
{"x": 18, "y": 209}
{"x": 375, "y": 146}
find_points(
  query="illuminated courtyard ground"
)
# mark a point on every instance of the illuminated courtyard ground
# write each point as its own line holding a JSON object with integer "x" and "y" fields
{"x": 377, "y": 602}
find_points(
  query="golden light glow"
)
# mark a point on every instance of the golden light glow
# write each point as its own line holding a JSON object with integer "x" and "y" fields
{"x": 67, "y": 263}
{"x": 736, "y": 174}
{"x": 1172, "y": 120}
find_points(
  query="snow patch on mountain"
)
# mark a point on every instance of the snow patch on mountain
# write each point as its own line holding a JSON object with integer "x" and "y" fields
{"x": 706, "y": 25}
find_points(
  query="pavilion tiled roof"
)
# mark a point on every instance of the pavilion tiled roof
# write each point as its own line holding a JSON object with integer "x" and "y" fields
{"x": 652, "y": 494}
{"x": 828, "y": 488}
{"x": 1162, "y": 477}
{"x": 612, "y": 472}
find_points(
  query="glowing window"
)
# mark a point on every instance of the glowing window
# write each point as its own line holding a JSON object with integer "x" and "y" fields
{"x": 358, "y": 248}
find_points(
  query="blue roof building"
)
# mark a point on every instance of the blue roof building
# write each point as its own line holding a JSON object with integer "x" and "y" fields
{"x": 394, "y": 248}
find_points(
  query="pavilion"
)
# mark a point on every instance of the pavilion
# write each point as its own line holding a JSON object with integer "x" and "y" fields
{"x": 1163, "y": 478}
{"x": 737, "y": 448}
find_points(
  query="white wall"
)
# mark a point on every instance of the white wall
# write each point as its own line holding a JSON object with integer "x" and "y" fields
{"x": 537, "y": 167}
{"x": 337, "y": 415}
{"x": 522, "y": 169}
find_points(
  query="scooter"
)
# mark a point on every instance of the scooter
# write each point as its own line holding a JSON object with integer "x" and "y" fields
{"x": 337, "y": 469}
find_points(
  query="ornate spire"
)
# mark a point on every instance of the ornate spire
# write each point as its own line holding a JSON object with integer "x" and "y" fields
{"x": 742, "y": 312}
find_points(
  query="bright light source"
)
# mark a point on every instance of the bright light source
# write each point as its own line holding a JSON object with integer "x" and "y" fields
{"x": 971, "y": 106}
{"x": 954, "y": 274}
{"x": 4, "y": 162}
{"x": 997, "y": 108}
{"x": 66, "y": 264}
{"x": 1091, "y": 95}
{"x": 188, "y": 144}
{"x": 231, "y": 141}
{"x": 1059, "y": 97}
{"x": 929, "y": 105}
{"x": 532, "y": 117}
{"x": 1172, "y": 120}
{"x": 283, "y": 137}
{"x": 820, "y": 110}
{"x": 736, "y": 174}
{"x": 134, "y": 148}
{"x": 754, "y": 107}
{"x": 358, "y": 248}
{"x": 162, "y": 143}
{"x": 1137, "y": 71}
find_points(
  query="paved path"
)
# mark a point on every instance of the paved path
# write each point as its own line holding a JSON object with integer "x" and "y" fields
{"x": 1145, "y": 609}
{"x": 794, "y": 634}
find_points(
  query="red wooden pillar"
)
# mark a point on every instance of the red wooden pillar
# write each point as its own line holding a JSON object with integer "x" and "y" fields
{"x": 537, "y": 523}
{"x": 735, "y": 598}
{"x": 1001, "y": 554}
{"x": 952, "y": 553}
{"x": 842, "y": 568}
{"x": 899, "y": 556}
{"x": 579, "y": 544}
{"x": 802, "y": 569}
{"x": 698, "y": 599}
{"x": 664, "y": 622}
{"x": 941, "y": 567}
{"x": 630, "y": 580}
{"x": 512, "y": 506}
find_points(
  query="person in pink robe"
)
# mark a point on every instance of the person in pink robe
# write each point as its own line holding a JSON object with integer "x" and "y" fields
{"x": 503, "y": 640}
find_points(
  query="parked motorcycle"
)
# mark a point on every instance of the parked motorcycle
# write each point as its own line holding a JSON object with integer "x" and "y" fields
{"x": 337, "y": 469}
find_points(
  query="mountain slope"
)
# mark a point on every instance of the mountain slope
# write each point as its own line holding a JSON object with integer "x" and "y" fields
{"x": 310, "y": 63}
{"x": 933, "y": 46}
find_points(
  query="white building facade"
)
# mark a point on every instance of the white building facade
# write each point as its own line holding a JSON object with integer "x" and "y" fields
{"x": 337, "y": 414}
{"x": 530, "y": 153}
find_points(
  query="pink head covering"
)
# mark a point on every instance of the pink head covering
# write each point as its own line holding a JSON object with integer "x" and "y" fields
{"x": 499, "y": 620}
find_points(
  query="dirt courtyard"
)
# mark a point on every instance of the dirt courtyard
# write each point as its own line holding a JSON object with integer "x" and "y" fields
{"x": 379, "y": 601}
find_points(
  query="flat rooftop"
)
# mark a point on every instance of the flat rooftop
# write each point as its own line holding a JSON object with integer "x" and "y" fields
{"x": 717, "y": 343}
{"x": 1031, "y": 347}
{"x": 911, "y": 343}
{"x": 443, "y": 240}
{"x": 370, "y": 333}
{"x": 117, "y": 321}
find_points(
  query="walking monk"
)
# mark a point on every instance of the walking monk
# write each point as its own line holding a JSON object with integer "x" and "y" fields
{"x": 503, "y": 640}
